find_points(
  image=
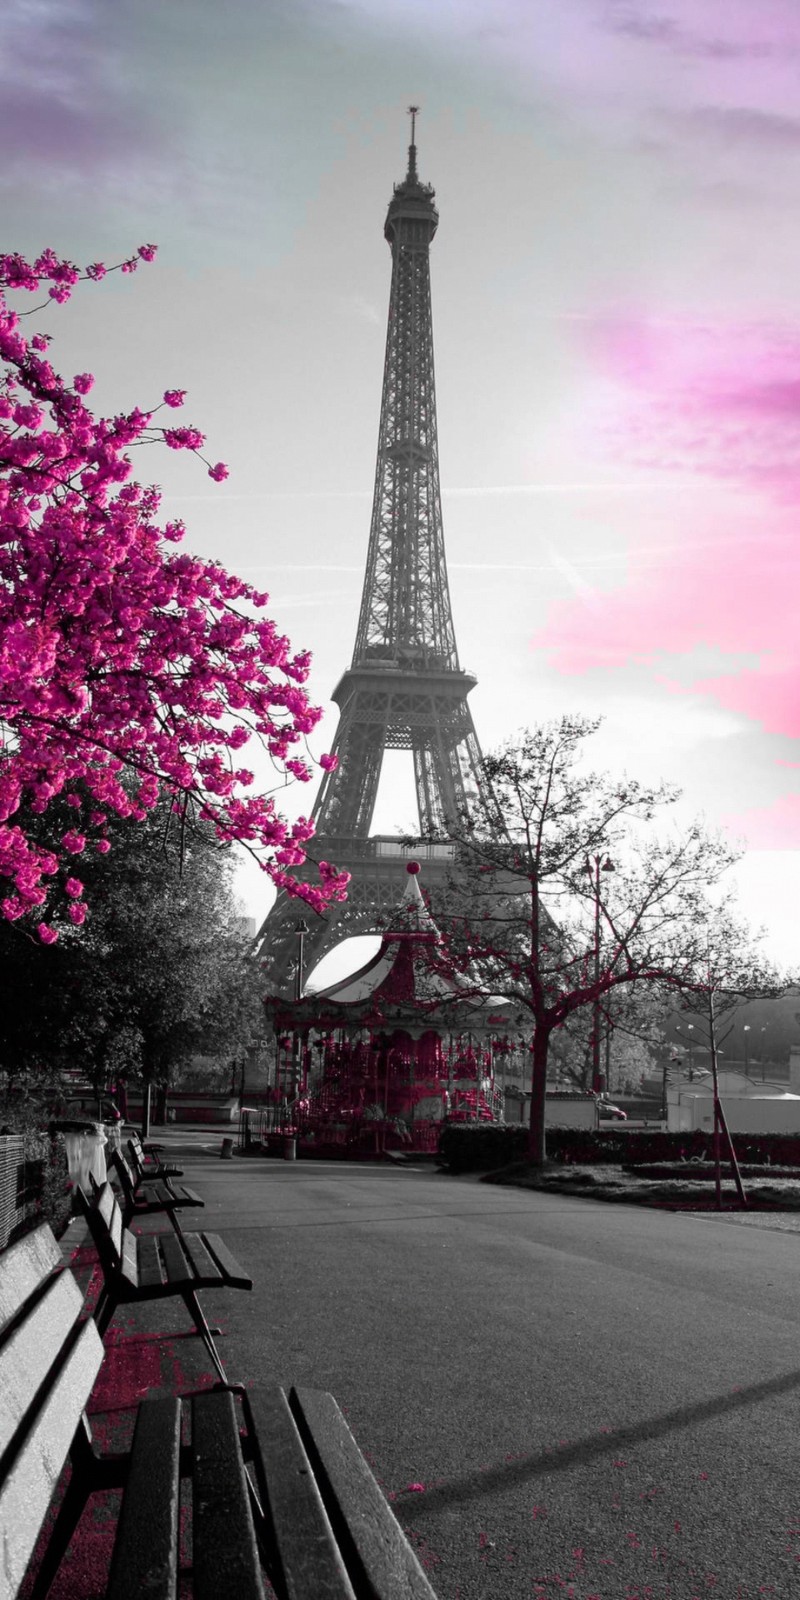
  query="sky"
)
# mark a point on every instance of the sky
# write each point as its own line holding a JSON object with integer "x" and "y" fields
{"x": 617, "y": 334}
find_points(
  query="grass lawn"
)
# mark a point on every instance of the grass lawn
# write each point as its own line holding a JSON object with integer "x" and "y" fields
{"x": 689, "y": 1193}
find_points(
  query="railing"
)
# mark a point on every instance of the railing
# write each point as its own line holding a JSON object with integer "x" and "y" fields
{"x": 21, "y": 1182}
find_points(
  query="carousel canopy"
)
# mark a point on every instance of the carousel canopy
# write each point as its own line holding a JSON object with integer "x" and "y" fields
{"x": 407, "y": 977}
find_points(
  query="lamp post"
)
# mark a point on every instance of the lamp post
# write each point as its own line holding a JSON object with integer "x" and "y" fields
{"x": 300, "y": 931}
{"x": 593, "y": 867}
{"x": 745, "y": 1031}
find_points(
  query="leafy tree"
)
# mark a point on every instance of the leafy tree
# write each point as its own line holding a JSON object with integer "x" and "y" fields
{"x": 630, "y": 1036}
{"x": 159, "y": 971}
{"x": 576, "y": 904}
{"x": 120, "y": 657}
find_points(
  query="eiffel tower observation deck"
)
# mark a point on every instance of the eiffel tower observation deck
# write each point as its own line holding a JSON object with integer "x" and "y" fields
{"x": 405, "y": 688}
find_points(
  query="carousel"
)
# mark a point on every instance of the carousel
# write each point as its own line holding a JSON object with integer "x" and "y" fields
{"x": 379, "y": 1060}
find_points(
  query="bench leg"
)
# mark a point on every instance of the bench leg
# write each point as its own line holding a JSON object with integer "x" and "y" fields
{"x": 174, "y": 1219}
{"x": 195, "y": 1311}
{"x": 104, "y": 1311}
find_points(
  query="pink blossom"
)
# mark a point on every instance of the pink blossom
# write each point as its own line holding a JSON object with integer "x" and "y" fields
{"x": 77, "y": 912}
{"x": 219, "y": 472}
{"x": 46, "y": 934}
{"x": 184, "y": 438}
{"x": 174, "y": 397}
{"x": 73, "y": 841}
{"x": 329, "y": 763}
{"x": 120, "y": 654}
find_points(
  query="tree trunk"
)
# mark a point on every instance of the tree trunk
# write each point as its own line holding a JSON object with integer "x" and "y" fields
{"x": 537, "y": 1154}
{"x": 146, "y": 1092}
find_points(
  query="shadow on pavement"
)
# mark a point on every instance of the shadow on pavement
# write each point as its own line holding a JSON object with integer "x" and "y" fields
{"x": 475, "y": 1485}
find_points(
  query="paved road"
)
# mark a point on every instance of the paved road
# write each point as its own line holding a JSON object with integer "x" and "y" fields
{"x": 563, "y": 1398}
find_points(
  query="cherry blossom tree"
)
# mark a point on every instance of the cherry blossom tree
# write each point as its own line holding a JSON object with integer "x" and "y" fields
{"x": 122, "y": 656}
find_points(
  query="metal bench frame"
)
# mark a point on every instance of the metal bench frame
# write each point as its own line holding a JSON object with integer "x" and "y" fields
{"x": 147, "y": 1199}
{"x": 276, "y": 1481}
{"x": 157, "y": 1266}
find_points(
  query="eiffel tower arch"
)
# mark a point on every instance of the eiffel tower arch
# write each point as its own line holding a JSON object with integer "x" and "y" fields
{"x": 404, "y": 688}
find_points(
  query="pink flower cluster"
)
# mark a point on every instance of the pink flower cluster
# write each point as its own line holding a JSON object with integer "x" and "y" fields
{"x": 122, "y": 658}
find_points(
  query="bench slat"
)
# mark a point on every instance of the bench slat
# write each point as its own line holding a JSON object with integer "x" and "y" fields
{"x": 112, "y": 1217}
{"x": 146, "y": 1550}
{"x": 116, "y": 1228}
{"x": 355, "y": 1501}
{"x": 32, "y": 1350}
{"x": 228, "y": 1265}
{"x": 123, "y": 1171}
{"x": 204, "y": 1264}
{"x": 226, "y": 1563}
{"x": 30, "y": 1483}
{"x": 179, "y": 1270}
{"x": 26, "y": 1265}
{"x": 130, "y": 1258}
{"x": 309, "y": 1557}
{"x": 187, "y": 1197}
{"x": 150, "y": 1270}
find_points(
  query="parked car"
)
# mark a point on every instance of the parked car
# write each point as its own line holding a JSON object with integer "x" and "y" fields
{"x": 86, "y": 1105}
{"x": 609, "y": 1113}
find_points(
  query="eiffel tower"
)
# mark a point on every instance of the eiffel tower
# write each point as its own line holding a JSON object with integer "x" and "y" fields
{"x": 404, "y": 689}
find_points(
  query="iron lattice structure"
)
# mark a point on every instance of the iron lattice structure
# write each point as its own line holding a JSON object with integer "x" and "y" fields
{"x": 405, "y": 688}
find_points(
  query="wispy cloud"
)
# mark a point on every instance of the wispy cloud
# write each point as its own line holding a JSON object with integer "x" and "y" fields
{"x": 717, "y": 399}
{"x": 63, "y": 101}
{"x": 722, "y": 401}
{"x": 735, "y": 38}
{"x": 747, "y": 125}
{"x": 771, "y": 827}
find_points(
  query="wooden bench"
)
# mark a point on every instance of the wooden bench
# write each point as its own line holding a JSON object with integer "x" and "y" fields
{"x": 157, "y": 1266}
{"x": 271, "y": 1483}
{"x": 146, "y": 1164}
{"x": 148, "y": 1198}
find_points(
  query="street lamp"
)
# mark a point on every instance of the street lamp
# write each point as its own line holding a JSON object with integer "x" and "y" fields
{"x": 300, "y": 930}
{"x": 593, "y": 867}
{"x": 746, "y": 1030}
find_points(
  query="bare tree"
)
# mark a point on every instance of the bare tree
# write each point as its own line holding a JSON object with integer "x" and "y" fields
{"x": 578, "y": 899}
{"x": 729, "y": 973}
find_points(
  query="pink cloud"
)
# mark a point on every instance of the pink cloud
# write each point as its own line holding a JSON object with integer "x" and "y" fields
{"x": 723, "y": 403}
{"x": 721, "y": 400}
{"x": 772, "y": 827}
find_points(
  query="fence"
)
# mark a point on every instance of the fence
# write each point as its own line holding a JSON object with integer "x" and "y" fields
{"x": 21, "y": 1179}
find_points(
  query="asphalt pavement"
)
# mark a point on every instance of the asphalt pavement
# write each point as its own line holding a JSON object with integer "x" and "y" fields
{"x": 561, "y": 1398}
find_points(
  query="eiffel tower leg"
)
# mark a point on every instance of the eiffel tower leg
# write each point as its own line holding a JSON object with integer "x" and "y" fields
{"x": 346, "y": 804}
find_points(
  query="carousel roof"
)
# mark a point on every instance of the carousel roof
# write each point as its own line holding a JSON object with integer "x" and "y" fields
{"x": 405, "y": 974}
{"x": 402, "y": 970}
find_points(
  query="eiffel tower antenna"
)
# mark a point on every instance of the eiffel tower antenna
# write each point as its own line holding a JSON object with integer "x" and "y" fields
{"x": 411, "y": 175}
{"x": 405, "y": 688}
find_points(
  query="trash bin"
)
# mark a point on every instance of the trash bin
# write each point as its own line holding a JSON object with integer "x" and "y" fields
{"x": 226, "y": 1151}
{"x": 113, "y": 1133}
{"x": 290, "y": 1148}
{"x": 85, "y": 1146}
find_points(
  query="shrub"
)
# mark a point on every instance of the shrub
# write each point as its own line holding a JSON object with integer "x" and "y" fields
{"x": 484, "y": 1147}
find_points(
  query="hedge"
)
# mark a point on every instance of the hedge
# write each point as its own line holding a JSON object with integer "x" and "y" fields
{"x": 484, "y": 1147}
